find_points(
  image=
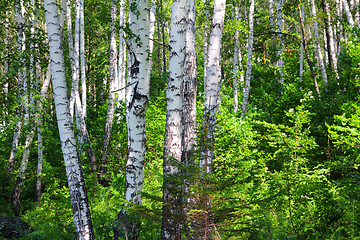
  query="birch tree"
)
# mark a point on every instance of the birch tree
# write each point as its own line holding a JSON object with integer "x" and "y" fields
{"x": 139, "y": 78}
{"x": 20, "y": 11}
{"x": 317, "y": 43}
{"x": 236, "y": 62}
{"x": 82, "y": 59}
{"x": 306, "y": 51}
{"x": 212, "y": 85}
{"x": 78, "y": 195}
{"x": 279, "y": 25}
{"x": 348, "y": 13}
{"x": 171, "y": 228}
{"x": 332, "y": 45}
{"x": 302, "y": 48}
{"x": 111, "y": 99}
{"x": 121, "y": 80}
{"x": 249, "y": 62}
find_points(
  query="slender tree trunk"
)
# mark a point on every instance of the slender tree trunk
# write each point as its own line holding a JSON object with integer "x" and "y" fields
{"x": 189, "y": 135}
{"x": 77, "y": 188}
{"x": 171, "y": 226}
{"x": 163, "y": 38}
{"x": 249, "y": 62}
{"x": 20, "y": 11}
{"x": 331, "y": 44}
{"x": 73, "y": 59}
{"x": 317, "y": 44}
{"x": 212, "y": 85}
{"x": 206, "y": 37}
{"x": 75, "y": 102}
{"x": 33, "y": 68}
{"x": 307, "y": 53}
{"x": 302, "y": 48}
{"x": 236, "y": 63}
{"x": 125, "y": 224}
{"x": 280, "y": 62}
{"x": 111, "y": 99}
{"x": 348, "y": 13}
{"x": 82, "y": 59}
{"x": 121, "y": 82}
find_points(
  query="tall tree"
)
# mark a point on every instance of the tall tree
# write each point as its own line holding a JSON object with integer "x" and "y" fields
{"x": 171, "y": 228}
{"x": 111, "y": 99}
{"x": 212, "y": 85}
{"x": 317, "y": 43}
{"x": 306, "y": 50}
{"x": 22, "y": 79}
{"x": 139, "y": 78}
{"x": 78, "y": 195}
{"x": 279, "y": 53}
{"x": 348, "y": 13}
{"x": 121, "y": 81}
{"x": 249, "y": 61}
{"x": 236, "y": 61}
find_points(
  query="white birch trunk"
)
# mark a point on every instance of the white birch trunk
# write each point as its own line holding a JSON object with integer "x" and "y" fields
{"x": 139, "y": 98}
{"x": 82, "y": 59}
{"x": 348, "y": 13}
{"x": 212, "y": 85}
{"x": 206, "y": 37}
{"x": 236, "y": 63}
{"x": 121, "y": 82}
{"x": 152, "y": 25}
{"x": 190, "y": 88}
{"x": 171, "y": 228}
{"x": 72, "y": 58}
{"x": 77, "y": 188}
{"x": 22, "y": 85}
{"x": 302, "y": 47}
{"x": 279, "y": 24}
{"x": 111, "y": 99}
{"x": 331, "y": 41}
{"x": 189, "y": 135}
{"x": 249, "y": 62}
{"x": 317, "y": 44}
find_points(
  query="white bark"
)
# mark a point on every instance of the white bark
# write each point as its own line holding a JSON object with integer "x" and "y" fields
{"x": 249, "y": 62}
{"x": 139, "y": 75}
{"x": 152, "y": 24}
{"x": 82, "y": 59}
{"x": 331, "y": 40}
{"x": 74, "y": 82}
{"x": 212, "y": 85}
{"x": 22, "y": 85}
{"x": 111, "y": 99}
{"x": 190, "y": 89}
{"x": 348, "y": 13}
{"x": 77, "y": 188}
{"x": 206, "y": 37}
{"x": 279, "y": 24}
{"x": 317, "y": 44}
{"x": 236, "y": 63}
{"x": 174, "y": 110}
{"x": 339, "y": 26}
{"x": 120, "y": 85}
